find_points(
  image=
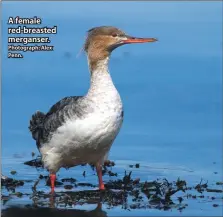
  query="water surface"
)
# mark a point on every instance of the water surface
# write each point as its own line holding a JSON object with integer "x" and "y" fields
{"x": 171, "y": 91}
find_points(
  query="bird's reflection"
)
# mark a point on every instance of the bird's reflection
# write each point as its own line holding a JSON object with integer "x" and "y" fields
{"x": 46, "y": 212}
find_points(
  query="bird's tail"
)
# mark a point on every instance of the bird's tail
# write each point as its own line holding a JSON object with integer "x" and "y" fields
{"x": 36, "y": 124}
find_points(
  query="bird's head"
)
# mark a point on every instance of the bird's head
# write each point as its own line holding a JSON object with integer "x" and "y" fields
{"x": 101, "y": 41}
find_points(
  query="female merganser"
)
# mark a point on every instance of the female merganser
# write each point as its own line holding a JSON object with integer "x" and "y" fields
{"x": 81, "y": 129}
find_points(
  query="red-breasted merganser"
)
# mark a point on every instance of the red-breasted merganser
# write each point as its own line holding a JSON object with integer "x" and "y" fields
{"x": 81, "y": 129}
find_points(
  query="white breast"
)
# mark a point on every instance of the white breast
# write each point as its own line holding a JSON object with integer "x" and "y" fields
{"x": 83, "y": 141}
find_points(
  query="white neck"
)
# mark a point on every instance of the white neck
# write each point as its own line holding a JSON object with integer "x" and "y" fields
{"x": 101, "y": 81}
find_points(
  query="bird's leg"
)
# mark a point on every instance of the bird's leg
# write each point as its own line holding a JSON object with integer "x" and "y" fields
{"x": 52, "y": 181}
{"x": 99, "y": 173}
{"x": 52, "y": 200}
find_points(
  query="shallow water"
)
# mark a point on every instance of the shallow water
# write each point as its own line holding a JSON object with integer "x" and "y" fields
{"x": 171, "y": 92}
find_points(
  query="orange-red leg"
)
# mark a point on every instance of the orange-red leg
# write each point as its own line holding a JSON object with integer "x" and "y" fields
{"x": 52, "y": 181}
{"x": 99, "y": 173}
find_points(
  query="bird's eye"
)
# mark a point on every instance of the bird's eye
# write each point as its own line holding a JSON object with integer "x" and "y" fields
{"x": 114, "y": 35}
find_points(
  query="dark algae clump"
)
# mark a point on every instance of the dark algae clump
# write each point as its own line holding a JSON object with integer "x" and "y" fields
{"x": 124, "y": 191}
{"x": 10, "y": 184}
{"x": 35, "y": 162}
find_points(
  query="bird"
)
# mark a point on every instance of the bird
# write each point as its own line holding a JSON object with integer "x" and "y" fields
{"x": 81, "y": 129}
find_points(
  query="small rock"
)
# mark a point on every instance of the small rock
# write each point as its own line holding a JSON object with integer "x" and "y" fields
{"x": 71, "y": 180}
{"x": 84, "y": 173}
{"x": 219, "y": 183}
{"x": 13, "y": 172}
{"x": 68, "y": 187}
{"x": 137, "y": 165}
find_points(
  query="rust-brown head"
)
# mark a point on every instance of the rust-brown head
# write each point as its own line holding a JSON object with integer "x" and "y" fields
{"x": 101, "y": 41}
